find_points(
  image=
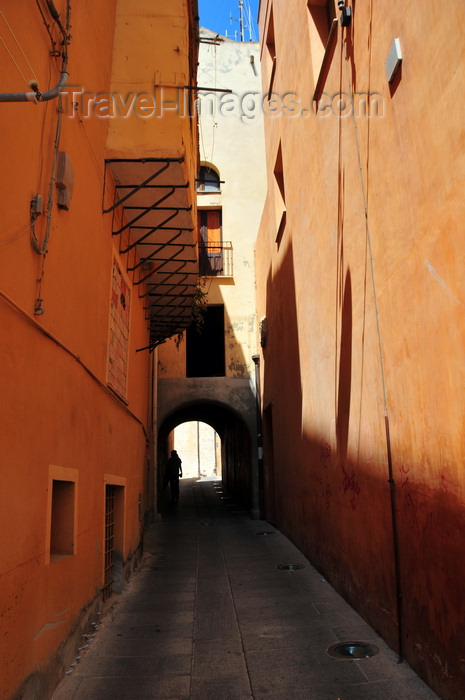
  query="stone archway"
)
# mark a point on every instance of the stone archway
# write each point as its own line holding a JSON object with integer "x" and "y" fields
{"x": 237, "y": 454}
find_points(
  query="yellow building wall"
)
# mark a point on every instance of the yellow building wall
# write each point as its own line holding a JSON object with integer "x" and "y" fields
{"x": 231, "y": 141}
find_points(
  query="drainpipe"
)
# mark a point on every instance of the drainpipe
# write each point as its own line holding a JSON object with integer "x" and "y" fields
{"x": 395, "y": 537}
{"x": 345, "y": 20}
{"x": 257, "y": 473}
{"x": 198, "y": 449}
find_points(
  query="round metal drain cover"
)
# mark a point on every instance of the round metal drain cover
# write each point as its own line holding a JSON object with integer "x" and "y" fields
{"x": 290, "y": 567}
{"x": 266, "y": 533}
{"x": 353, "y": 650}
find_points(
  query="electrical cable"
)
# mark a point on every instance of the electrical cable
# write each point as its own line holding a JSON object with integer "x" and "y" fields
{"x": 15, "y": 236}
{"x": 35, "y": 95}
{"x": 53, "y": 52}
{"x": 22, "y": 52}
{"x": 215, "y": 123}
{"x": 14, "y": 61}
{"x": 214, "y": 114}
{"x": 391, "y": 480}
{"x": 41, "y": 249}
{"x": 56, "y": 16}
{"x": 42, "y": 133}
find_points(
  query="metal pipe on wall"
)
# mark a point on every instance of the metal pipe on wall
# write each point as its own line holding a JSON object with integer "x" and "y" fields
{"x": 257, "y": 479}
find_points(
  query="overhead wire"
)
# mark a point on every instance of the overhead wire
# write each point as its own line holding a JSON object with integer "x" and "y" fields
{"x": 391, "y": 480}
{"x": 42, "y": 132}
{"x": 42, "y": 248}
{"x": 15, "y": 236}
{"x": 30, "y": 226}
{"x": 215, "y": 123}
{"x": 33, "y": 75}
{"x": 47, "y": 26}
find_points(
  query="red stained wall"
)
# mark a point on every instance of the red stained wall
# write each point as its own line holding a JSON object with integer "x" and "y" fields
{"x": 364, "y": 298}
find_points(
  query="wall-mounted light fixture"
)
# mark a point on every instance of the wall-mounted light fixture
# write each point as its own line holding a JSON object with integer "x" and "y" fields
{"x": 346, "y": 13}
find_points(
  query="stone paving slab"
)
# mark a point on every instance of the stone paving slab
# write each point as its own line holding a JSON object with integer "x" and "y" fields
{"x": 234, "y": 688}
{"x": 209, "y": 658}
{"x": 209, "y": 616}
{"x": 119, "y": 688}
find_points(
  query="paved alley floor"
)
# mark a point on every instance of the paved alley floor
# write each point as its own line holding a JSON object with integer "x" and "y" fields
{"x": 210, "y": 616}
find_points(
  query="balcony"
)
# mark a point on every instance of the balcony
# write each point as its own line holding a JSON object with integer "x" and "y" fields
{"x": 216, "y": 260}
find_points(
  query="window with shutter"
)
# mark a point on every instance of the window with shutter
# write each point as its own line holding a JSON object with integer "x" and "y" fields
{"x": 210, "y": 242}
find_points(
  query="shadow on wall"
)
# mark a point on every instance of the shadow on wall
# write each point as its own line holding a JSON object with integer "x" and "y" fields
{"x": 282, "y": 394}
{"x": 342, "y": 522}
{"x": 238, "y": 331}
{"x": 335, "y": 505}
{"x": 345, "y": 373}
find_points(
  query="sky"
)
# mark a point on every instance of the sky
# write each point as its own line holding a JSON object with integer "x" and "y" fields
{"x": 216, "y": 15}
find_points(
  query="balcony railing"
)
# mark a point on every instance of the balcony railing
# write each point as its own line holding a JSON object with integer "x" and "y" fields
{"x": 216, "y": 260}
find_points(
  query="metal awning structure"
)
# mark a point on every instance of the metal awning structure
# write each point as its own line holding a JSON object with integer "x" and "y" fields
{"x": 152, "y": 217}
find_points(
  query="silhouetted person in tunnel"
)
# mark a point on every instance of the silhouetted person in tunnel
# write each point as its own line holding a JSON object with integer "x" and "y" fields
{"x": 172, "y": 473}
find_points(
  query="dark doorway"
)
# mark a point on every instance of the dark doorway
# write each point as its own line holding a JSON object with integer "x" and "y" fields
{"x": 205, "y": 345}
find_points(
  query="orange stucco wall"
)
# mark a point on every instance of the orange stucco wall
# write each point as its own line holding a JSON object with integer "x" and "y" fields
{"x": 368, "y": 266}
{"x": 162, "y": 128}
{"x": 59, "y": 417}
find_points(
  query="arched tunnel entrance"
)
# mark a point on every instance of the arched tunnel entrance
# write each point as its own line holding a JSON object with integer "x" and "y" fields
{"x": 200, "y": 447}
{"x": 236, "y": 446}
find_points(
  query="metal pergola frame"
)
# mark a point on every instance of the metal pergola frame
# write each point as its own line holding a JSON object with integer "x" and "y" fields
{"x": 168, "y": 275}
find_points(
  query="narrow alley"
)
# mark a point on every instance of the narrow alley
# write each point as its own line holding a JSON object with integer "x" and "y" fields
{"x": 211, "y": 614}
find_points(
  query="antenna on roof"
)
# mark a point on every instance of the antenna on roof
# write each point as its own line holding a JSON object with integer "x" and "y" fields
{"x": 250, "y": 25}
{"x": 240, "y": 20}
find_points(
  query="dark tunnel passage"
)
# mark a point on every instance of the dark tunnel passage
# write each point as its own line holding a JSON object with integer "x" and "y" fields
{"x": 236, "y": 446}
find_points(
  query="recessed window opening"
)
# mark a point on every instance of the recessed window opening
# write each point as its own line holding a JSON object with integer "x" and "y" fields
{"x": 280, "y": 196}
{"x": 62, "y": 519}
{"x": 270, "y": 58}
{"x": 321, "y": 16}
{"x": 270, "y": 40}
{"x": 208, "y": 180}
{"x": 205, "y": 350}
